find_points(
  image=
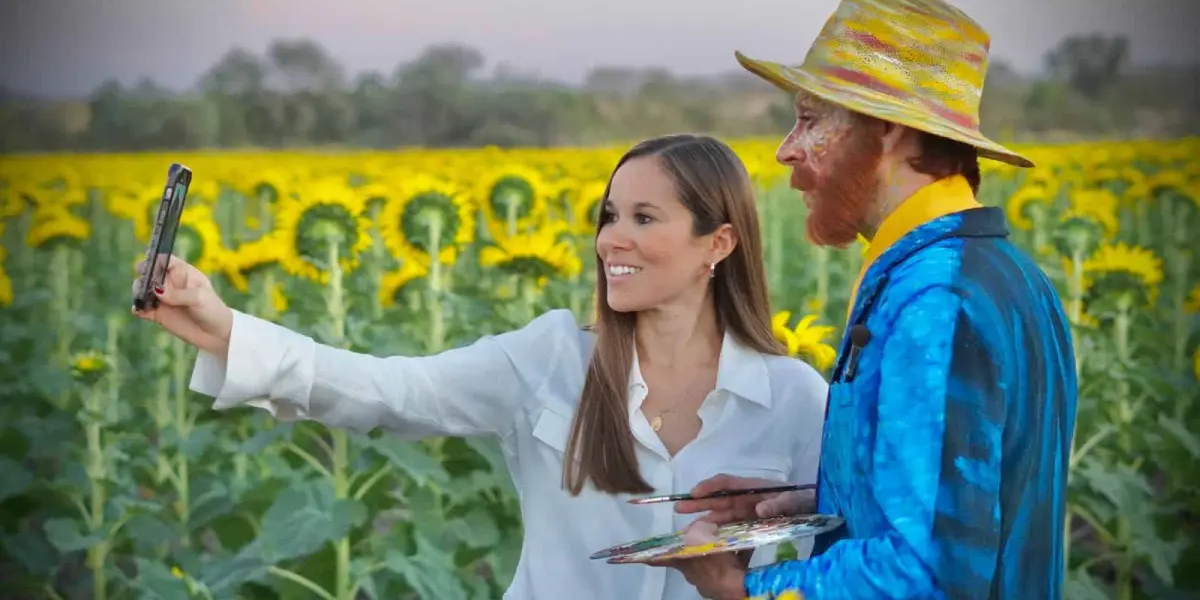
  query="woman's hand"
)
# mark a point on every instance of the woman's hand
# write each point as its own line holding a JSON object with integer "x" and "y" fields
{"x": 189, "y": 309}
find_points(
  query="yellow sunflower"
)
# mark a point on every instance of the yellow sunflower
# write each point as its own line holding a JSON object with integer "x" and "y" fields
{"x": 6, "y": 293}
{"x": 376, "y": 194}
{"x": 393, "y": 281}
{"x": 279, "y": 299}
{"x": 53, "y": 185}
{"x": 513, "y": 197}
{"x": 1193, "y": 303}
{"x": 1166, "y": 184}
{"x": 253, "y": 256}
{"x": 56, "y": 224}
{"x": 198, "y": 241}
{"x": 806, "y": 340}
{"x": 1097, "y": 205}
{"x": 88, "y": 367}
{"x": 12, "y": 201}
{"x": 864, "y": 245}
{"x": 1119, "y": 269}
{"x": 1029, "y": 199}
{"x": 1089, "y": 221}
{"x": 540, "y": 253}
{"x": 422, "y": 207}
{"x": 272, "y": 185}
{"x": 325, "y": 213}
{"x": 587, "y": 200}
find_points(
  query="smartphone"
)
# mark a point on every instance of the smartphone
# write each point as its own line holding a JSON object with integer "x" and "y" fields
{"x": 162, "y": 239}
{"x": 723, "y": 494}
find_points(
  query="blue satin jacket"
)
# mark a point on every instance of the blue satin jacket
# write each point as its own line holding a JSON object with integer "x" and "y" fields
{"x": 946, "y": 442}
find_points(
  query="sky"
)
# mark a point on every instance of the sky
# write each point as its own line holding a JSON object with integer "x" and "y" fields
{"x": 68, "y": 47}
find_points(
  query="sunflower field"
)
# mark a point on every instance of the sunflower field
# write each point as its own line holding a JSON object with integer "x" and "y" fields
{"x": 414, "y": 252}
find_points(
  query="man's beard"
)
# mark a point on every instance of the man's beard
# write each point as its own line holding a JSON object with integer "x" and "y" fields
{"x": 845, "y": 189}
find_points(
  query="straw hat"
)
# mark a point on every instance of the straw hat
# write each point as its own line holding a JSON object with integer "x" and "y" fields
{"x": 918, "y": 63}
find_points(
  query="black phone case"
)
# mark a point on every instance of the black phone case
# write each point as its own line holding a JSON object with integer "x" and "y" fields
{"x": 162, "y": 239}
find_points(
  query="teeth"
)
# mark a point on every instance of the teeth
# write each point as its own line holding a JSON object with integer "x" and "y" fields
{"x": 622, "y": 270}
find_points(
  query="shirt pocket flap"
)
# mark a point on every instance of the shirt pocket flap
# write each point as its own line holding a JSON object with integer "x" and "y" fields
{"x": 553, "y": 429}
{"x": 773, "y": 467}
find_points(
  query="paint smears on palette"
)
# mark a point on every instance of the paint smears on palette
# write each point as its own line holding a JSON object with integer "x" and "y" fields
{"x": 729, "y": 538}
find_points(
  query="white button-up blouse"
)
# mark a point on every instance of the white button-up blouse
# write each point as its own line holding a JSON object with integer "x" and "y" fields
{"x": 764, "y": 419}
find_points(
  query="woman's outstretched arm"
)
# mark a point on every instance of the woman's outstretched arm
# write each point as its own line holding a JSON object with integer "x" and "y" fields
{"x": 473, "y": 390}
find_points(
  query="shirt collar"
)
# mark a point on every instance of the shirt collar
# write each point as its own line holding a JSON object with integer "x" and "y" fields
{"x": 740, "y": 370}
{"x": 943, "y": 197}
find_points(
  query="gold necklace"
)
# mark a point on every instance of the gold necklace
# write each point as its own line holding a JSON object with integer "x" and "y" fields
{"x": 657, "y": 422}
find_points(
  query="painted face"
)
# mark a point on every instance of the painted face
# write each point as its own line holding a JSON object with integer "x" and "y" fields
{"x": 835, "y": 163}
{"x": 650, "y": 255}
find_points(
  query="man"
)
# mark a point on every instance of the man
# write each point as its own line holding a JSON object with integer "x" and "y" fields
{"x": 952, "y": 403}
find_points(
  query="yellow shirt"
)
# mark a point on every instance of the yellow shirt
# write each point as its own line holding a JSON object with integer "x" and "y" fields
{"x": 938, "y": 199}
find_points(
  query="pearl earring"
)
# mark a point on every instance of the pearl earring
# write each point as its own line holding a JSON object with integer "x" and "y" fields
{"x": 712, "y": 270}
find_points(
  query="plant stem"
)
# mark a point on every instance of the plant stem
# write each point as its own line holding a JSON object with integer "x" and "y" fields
{"x": 97, "y": 475}
{"x": 378, "y": 260}
{"x": 1075, "y": 315}
{"x": 267, "y": 294}
{"x": 1037, "y": 214}
{"x": 340, "y": 460}
{"x": 60, "y": 311}
{"x": 1144, "y": 238}
{"x": 1180, "y": 264}
{"x": 510, "y": 216}
{"x": 437, "y": 325}
{"x": 183, "y": 429}
{"x": 162, "y": 408}
{"x": 822, "y": 266}
{"x": 1122, "y": 326}
{"x": 529, "y": 297}
{"x": 300, "y": 579}
{"x": 775, "y": 239}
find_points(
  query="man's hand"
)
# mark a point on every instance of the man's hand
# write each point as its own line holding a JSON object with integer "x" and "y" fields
{"x": 716, "y": 576}
{"x": 745, "y": 508}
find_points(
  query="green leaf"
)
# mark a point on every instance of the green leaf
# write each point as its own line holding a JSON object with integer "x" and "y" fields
{"x": 430, "y": 572}
{"x": 304, "y": 518}
{"x": 65, "y": 535}
{"x": 198, "y": 440}
{"x": 1187, "y": 439}
{"x": 211, "y": 499}
{"x": 1120, "y": 484}
{"x": 32, "y": 552}
{"x": 14, "y": 478}
{"x": 265, "y": 437}
{"x": 1081, "y": 586}
{"x": 148, "y": 531}
{"x": 476, "y": 529}
{"x": 225, "y": 575}
{"x": 489, "y": 449}
{"x": 409, "y": 458}
{"x": 1162, "y": 555}
{"x": 155, "y": 581}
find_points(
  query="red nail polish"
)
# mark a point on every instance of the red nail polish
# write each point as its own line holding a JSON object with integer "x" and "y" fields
{"x": 159, "y": 291}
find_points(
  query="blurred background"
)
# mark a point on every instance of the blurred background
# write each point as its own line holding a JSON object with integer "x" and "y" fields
{"x": 403, "y": 177}
{"x": 140, "y": 74}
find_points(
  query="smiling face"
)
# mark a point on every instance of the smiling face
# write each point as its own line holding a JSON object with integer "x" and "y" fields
{"x": 835, "y": 161}
{"x": 647, "y": 242}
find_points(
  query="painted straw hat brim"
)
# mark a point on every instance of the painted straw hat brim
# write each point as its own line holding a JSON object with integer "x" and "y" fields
{"x": 882, "y": 106}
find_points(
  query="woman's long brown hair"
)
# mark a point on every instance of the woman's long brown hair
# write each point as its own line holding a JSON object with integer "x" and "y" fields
{"x": 711, "y": 181}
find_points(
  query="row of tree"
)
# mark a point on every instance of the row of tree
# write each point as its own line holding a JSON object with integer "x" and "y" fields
{"x": 296, "y": 94}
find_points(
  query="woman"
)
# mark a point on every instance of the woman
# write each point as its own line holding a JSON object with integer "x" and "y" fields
{"x": 680, "y": 378}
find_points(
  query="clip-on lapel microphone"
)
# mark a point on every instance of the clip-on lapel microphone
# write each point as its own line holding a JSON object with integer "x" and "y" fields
{"x": 859, "y": 337}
